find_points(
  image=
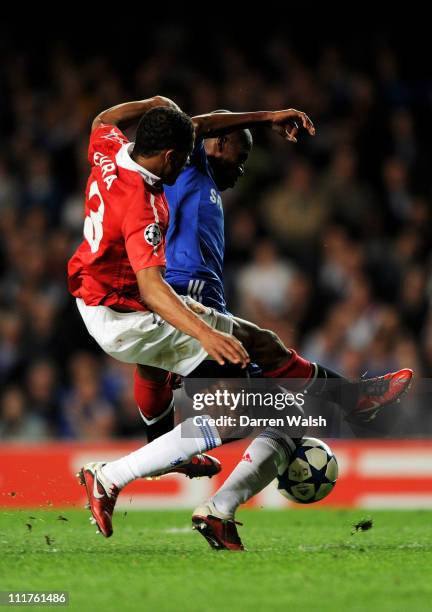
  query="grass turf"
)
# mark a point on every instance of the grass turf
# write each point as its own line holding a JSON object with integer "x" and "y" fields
{"x": 304, "y": 559}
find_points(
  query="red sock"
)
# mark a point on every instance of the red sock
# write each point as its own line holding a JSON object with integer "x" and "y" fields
{"x": 294, "y": 367}
{"x": 153, "y": 398}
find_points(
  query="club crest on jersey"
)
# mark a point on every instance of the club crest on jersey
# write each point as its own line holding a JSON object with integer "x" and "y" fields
{"x": 152, "y": 234}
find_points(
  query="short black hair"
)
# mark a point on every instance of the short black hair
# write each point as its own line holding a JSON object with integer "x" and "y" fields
{"x": 163, "y": 128}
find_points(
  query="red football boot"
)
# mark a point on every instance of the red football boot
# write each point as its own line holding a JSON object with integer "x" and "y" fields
{"x": 375, "y": 393}
{"x": 220, "y": 532}
{"x": 102, "y": 496}
{"x": 197, "y": 467}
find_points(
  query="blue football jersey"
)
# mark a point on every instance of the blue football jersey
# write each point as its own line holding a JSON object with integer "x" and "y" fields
{"x": 195, "y": 240}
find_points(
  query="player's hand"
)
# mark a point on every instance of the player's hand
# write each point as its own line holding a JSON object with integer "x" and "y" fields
{"x": 286, "y": 123}
{"x": 224, "y": 347}
{"x": 162, "y": 101}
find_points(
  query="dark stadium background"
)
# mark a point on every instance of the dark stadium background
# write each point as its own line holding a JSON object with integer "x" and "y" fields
{"x": 328, "y": 241}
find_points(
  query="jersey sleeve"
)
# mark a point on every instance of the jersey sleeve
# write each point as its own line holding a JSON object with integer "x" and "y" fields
{"x": 107, "y": 140}
{"x": 144, "y": 237}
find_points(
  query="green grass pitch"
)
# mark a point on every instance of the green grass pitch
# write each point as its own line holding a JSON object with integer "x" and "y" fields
{"x": 303, "y": 559}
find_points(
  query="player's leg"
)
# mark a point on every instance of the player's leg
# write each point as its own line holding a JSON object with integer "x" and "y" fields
{"x": 142, "y": 338}
{"x": 360, "y": 400}
{"x": 265, "y": 457}
{"x": 175, "y": 448}
{"x": 104, "y": 481}
{"x": 153, "y": 390}
{"x": 268, "y": 454}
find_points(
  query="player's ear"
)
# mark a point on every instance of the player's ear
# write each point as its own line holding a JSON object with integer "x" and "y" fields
{"x": 169, "y": 157}
{"x": 221, "y": 143}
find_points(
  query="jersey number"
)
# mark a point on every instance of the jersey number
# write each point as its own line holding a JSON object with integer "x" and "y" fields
{"x": 93, "y": 230}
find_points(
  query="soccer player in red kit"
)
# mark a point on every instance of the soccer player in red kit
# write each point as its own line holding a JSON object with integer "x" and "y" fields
{"x": 116, "y": 276}
{"x": 126, "y": 219}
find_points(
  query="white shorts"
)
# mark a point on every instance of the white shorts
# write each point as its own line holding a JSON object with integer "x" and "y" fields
{"x": 145, "y": 338}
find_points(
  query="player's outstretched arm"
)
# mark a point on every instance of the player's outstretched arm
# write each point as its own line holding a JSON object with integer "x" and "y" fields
{"x": 165, "y": 302}
{"x": 124, "y": 115}
{"x": 285, "y": 122}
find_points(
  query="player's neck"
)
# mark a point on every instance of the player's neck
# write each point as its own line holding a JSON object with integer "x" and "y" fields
{"x": 151, "y": 164}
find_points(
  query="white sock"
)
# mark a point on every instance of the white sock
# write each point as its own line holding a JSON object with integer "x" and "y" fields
{"x": 173, "y": 448}
{"x": 265, "y": 458}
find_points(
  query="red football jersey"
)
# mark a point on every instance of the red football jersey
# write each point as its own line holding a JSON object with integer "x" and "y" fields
{"x": 126, "y": 219}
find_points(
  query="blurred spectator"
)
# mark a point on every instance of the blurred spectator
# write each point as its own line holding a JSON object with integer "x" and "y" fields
{"x": 85, "y": 413}
{"x": 350, "y": 202}
{"x": 294, "y": 211}
{"x": 8, "y": 188}
{"x": 413, "y": 305}
{"x": 42, "y": 394}
{"x": 264, "y": 284}
{"x": 403, "y": 137}
{"x": 16, "y": 423}
{"x": 40, "y": 188}
{"x": 362, "y": 313}
{"x": 325, "y": 344}
{"x": 10, "y": 344}
{"x": 396, "y": 189}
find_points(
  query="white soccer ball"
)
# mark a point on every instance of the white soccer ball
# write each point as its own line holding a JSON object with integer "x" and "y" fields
{"x": 311, "y": 473}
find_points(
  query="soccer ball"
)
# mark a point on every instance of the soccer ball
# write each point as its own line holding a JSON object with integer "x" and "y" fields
{"x": 311, "y": 473}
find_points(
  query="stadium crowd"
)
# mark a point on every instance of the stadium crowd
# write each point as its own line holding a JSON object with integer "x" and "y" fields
{"x": 328, "y": 241}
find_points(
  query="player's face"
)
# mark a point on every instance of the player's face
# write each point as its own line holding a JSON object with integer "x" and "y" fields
{"x": 229, "y": 166}
{"x": 174, "y": 163}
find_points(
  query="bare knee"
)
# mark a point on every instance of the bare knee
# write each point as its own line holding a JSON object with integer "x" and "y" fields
{"x": 271, "y": 352}
{"x": 264, "y": 345}
{"x": 267, "y": 339}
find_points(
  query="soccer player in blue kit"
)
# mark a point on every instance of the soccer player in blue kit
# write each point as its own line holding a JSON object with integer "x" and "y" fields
{"x": 195, "y": 254}
{"x": 195, "y": 239}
